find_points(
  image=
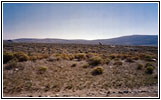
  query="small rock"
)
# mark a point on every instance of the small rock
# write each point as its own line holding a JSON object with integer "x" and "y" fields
{"x": 126, "y": 91}
{"x": 120, "y": 92}
{"x": 56, "y": 95}
{"x": 143, "y": 91}
{"x": 113, "y": 92}
{"x": 102, "y": 93}
{"x": 81, "y": 79}
{"x": 153, "y": 59}
{"x": 139, "y": 91}
{"x": 65, "y": 95}
{"x": 108, "y": 92}
{"x": 61, "y": 66}
{"x": 90, "y": 94}
{"x": 110, "y": 66}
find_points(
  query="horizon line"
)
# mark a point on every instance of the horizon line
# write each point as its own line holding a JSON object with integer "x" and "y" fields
{"x": 81, "y": 39}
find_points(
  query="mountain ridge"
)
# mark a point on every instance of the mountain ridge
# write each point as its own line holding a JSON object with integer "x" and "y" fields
{"x": 138, "y": 40}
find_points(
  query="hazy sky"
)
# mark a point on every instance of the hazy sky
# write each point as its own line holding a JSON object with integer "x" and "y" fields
{"x": 79, "y": 20}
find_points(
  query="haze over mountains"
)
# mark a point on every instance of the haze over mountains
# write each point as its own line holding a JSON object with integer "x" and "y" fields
{"x": 135, "y": 40}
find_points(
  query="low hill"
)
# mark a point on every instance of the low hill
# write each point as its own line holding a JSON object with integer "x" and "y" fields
{"x": 141, "y": 40}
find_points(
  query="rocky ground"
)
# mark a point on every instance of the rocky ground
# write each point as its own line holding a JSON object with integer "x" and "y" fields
{"x": 151, "y": 91}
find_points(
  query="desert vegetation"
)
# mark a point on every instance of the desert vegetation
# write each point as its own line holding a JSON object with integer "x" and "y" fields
{"x": 37, "y": 69}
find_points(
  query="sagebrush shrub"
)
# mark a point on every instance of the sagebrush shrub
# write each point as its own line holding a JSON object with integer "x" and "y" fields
{"x": 139, "y": 67}
{"x": 149, "y": 70}
{"x": 21, "y": 56}
{"x": 80, "y": 56}
{"x": 97, "y": 70}
{"x": 7, "y": 56}
{"x": 148, "y": 58}
{"x": 95, "y": 60}
{"x": 42, "y": 69}
{"x": 148, "y": 64}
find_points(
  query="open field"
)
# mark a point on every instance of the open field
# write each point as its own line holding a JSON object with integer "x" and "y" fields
{"x": 63, "y": 70}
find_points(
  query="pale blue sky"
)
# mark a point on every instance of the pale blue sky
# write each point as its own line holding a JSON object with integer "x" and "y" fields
{"x": 79, "y": 20}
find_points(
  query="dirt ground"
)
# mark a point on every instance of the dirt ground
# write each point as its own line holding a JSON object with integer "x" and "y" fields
{"x": 66, "y": 70}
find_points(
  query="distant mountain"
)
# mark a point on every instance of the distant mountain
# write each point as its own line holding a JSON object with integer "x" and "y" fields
{"x": 140, "y": 40}
{"x": 146, "y": 40}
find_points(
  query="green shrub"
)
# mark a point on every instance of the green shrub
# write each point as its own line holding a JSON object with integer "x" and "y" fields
{"x": 97, "y": 70}
{"x": 21, "y": 56}
{"x": 149, "y": 70}
{"x": 7, "y": 56}
{"x": 139, "y": 67}
{"x": 148, "y": 64}
{"x": 42, "y": 69}
{"x": 148, "y": 58}
{"x": 95, "y": 60}
{"x": 28, "y": 84}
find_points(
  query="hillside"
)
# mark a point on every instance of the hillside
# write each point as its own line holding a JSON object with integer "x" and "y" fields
{"x": 140, "y": 40}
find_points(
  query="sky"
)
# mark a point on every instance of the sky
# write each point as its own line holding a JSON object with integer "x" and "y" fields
{"x": 79, "y": 20}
